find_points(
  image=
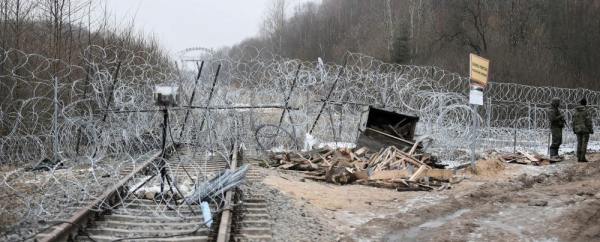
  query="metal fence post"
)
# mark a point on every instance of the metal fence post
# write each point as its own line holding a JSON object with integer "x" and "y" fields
{"x": 489, "y": 121}
{"x": 528, "y": 116}
{"x": 535, "y": 142}
{"x": 515, "y": 140}
{"x": 55, "y": 120}
{"x": 566, "y": 119}
{"x": 384, "y": 93}
{"x": 474, "y": 135}
{"x": 528, "y": 123}
{"x": 437, "y": 125}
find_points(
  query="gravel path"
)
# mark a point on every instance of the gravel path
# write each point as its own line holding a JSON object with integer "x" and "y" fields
{"x": 291, "y": 220}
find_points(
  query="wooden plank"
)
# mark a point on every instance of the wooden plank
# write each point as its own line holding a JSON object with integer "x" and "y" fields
{"x": 375, "y": 157}
{"x": 383, "y": 175}
{"x": 325, "y": 160}
{"x": 456, "y": 180}
{"x": 312, "y": 153}
{"x": 391, "y": 136}
{"x": 361, "y": 151}
{"x": 530, "y": 157}
{"x": 410, "y": 189}
{"x": 392, "y": 130}
{"x": 414, "y": 148}
{"x": 386, "y": 155}
{"x": 314, "y": 177}
{"x": 288, "y": 166}
{"x": 349, "y": 152}
{"x": 359, "y": 165}
{"x": 386, "y": 161}
{"x": 379, "y": 184}
{"x": 410, "y": 159}
{"x": 323, "y": 156}
{"x": 418, "y": 174}
{"x": 401, "y": 181}
{"x": 541, "y": 158}
{"x": 361, "y": 175}
{"x": 439, "y": 174}
{"x": 430, "y": 188}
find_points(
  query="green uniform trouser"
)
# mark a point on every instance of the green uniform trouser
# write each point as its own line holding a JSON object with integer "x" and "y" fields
{"x": 582, "y": 142}
{"x": 556, "y": 138}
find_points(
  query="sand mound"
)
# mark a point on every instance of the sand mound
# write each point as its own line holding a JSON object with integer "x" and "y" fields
{"x": 492, "y": 168}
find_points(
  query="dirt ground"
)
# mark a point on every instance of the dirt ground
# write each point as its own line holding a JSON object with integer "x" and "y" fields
{"x": 496, "y": 202}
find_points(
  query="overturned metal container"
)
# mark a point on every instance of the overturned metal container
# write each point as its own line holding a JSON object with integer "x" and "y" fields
{"x": 380, "y": 128}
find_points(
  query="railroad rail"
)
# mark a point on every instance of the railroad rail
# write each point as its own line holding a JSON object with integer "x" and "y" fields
{"x": 132, "y": 219}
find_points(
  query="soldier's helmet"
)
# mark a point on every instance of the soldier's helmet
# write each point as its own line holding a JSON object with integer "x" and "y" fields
{"x": 555, "y": 102}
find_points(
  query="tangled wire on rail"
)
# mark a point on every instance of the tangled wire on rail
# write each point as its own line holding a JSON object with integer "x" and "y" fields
{"x": 95, "y": 116}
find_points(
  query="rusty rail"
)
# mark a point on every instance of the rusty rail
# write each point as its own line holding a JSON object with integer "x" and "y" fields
{"x": 81, "y": 220}
{"x": 68, "y": 231}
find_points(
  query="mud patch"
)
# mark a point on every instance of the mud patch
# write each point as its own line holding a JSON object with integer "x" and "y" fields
{"x": 549, "y": 204}
{"x": 580, "y": 222}
{"x": 413, "y": 233}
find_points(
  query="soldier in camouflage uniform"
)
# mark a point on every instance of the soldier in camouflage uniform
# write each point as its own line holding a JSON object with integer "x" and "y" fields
{"x": 582, "y": 127}
{"x": 557, "y": 122}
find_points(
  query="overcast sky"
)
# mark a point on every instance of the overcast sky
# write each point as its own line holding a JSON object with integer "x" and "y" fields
{"x": 180, "y": 24}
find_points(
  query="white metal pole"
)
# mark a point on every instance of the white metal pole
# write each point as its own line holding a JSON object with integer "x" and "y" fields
{"x": 474, "y": 135}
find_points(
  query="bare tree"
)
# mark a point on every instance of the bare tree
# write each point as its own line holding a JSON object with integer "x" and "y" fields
{"x": 274, "y": 23}
{"x": 391, "y": 28}
{"x": 470, "y": 27}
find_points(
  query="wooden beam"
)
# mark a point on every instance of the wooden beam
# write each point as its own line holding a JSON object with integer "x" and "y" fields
{"x": 361, "y": 151}
{"x": 314, "y": 177}
{"x": 530, "y": 157}
{"x": 437, "y": 174}
{"x": 418, "y": 174}
{"x": 414, "y": 148}
{"x": 391, "y": 136}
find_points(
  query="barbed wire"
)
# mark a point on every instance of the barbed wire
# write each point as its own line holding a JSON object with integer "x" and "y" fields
{"x": 98, "y": 118}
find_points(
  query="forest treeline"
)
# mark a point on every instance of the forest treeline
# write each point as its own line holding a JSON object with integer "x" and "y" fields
{"x": 40, "y": 39}
{"x": 530, "y": 42}
{"x": 62, "y": 29}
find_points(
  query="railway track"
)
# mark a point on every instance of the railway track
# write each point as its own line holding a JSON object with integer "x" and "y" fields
{"x": 133, "y": 219}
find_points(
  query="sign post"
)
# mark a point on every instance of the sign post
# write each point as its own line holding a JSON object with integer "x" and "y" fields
{"x": 478, "y": 72}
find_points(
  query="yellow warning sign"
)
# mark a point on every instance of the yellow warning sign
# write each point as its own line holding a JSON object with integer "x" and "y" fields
{"x": 479, "y": 69}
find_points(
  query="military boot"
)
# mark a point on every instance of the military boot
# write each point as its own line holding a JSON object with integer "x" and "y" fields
{"x": 553, "y": 152}
{"x": 581, "y": 157}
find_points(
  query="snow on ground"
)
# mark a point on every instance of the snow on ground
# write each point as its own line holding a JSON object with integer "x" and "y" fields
{"x": 541, "y": 149}
{"x": 337, "y": 145}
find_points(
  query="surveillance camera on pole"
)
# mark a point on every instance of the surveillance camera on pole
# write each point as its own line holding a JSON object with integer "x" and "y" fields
{"x": 166, "y": 96}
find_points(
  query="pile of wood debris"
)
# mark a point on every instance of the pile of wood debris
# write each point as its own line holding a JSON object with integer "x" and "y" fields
{"x": 525, "y": 158}
{"x": 387, "y": 168}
